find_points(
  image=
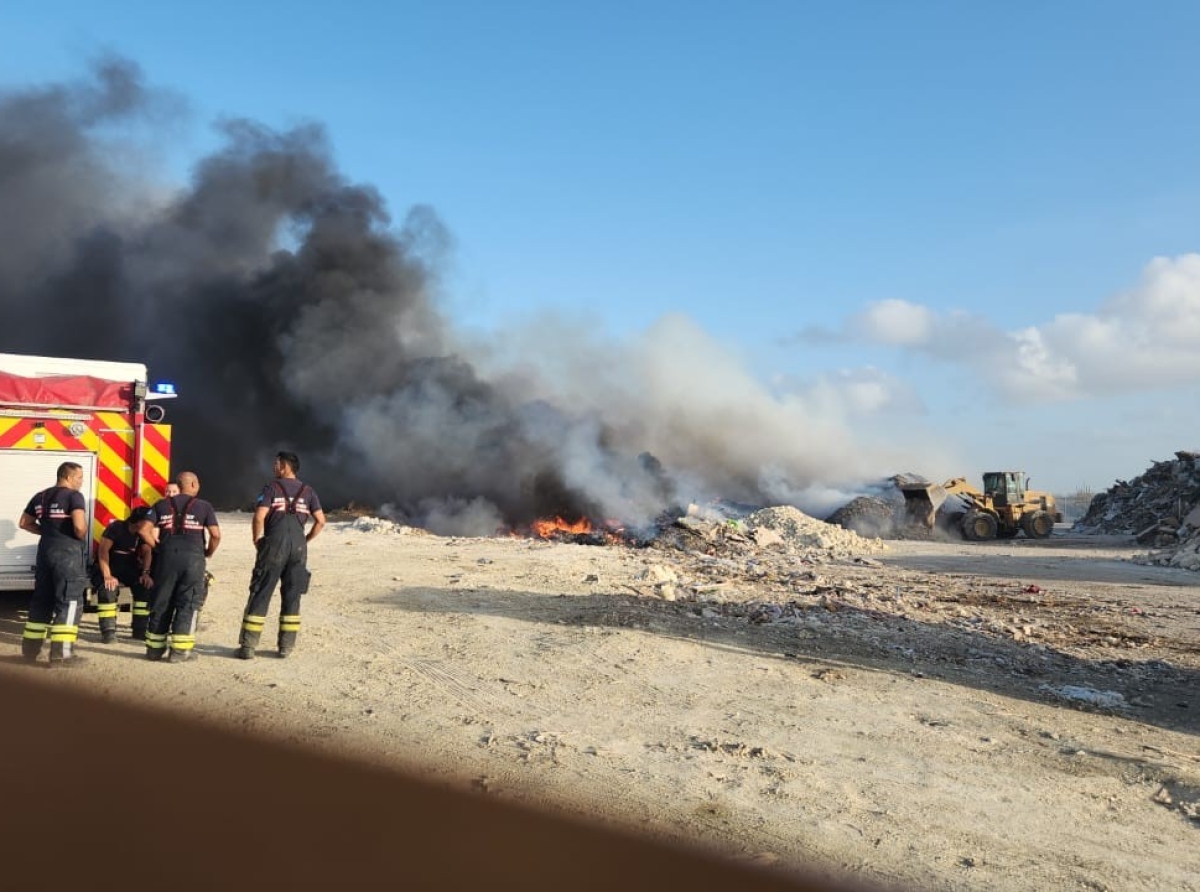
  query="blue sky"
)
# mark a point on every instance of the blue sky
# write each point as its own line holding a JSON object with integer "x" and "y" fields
{"x": 972, "y": 226}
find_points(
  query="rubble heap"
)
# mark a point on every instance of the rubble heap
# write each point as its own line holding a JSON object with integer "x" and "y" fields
{"x": 882, "y": 513}
{"x": 783, "y": 529}
{"x": 869, "y": 516}
{"x": 799, "y": 533}
{"x": 1161, "y": 509}
{"x": 382, "y": 526}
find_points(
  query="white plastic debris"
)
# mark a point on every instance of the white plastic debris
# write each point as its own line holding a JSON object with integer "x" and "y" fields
{"x": 1107, "y": 699}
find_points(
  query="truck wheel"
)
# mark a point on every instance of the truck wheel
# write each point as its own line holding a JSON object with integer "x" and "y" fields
{"x": 979, "y": 526}
{"x": 1038, "y": 525}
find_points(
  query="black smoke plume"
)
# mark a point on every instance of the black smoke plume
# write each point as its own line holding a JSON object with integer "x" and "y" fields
{"x": 292, "y": 313}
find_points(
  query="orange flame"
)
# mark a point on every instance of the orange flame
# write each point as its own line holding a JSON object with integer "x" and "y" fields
{"x": 547, "y": 528}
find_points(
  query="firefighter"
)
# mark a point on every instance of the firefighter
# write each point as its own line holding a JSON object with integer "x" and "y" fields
{"x": 123, "y": 559}
{"x": 184, "y": 522}
{"x": 141, "y": 613}
{"x": 58, "y": 517}
{"x": 281, "y": 514}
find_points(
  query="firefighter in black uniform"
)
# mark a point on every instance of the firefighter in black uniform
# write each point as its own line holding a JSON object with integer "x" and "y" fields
{"x": 179, "y": 568}
{"x": 123, "y": 558}
{"x": 283, "y": 510}
{"x": 58, "y": 517}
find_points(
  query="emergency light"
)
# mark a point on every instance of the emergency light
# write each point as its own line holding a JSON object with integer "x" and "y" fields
{"x": 166, "y": 388}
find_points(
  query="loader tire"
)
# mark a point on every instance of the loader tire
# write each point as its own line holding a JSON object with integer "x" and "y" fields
{"x": 1038, "y": 525}
{"x": 979, "y": 526}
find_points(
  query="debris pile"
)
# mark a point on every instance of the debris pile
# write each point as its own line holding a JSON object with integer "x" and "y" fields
{"x": 781, "y": 530}
{"x": 870, "y": 516}
{"x": 992, "y": 624}
{"x": 799, "y": 533}
{"x": 1185, "y": 555}
{"x": 1160, "y": 509}
{"x": 884, "y": 513}
{"x": 382, "y": 526}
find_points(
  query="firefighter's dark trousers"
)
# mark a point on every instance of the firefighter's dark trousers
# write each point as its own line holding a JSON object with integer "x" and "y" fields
{"x": 107, "y": 610}
{"x": 281, "y": 561}
{"x": 178, "y": 583}
{"x": 60, "y": 580}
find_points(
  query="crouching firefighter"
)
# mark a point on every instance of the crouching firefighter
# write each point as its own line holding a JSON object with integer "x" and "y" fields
{"x": 123, "y": 559}
{"x": 183, "y": 522}
{"x": 58, "y": 517}
{"x": 283, "y": 510}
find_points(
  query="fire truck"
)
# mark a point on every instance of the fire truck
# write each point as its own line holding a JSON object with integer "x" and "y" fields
{"x": 101, "y": 415}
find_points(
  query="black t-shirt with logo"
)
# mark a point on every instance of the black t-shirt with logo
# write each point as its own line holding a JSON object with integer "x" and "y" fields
{"x": 185, "y": 516}
{"x": 52, "y": 509}
{"x": 284, "y": 491}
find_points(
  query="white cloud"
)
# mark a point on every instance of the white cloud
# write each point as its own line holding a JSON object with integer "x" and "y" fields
{"x": 896, "y": 322}
{"x": 1142, "y": 339}
{"x": 1167, "y": 300}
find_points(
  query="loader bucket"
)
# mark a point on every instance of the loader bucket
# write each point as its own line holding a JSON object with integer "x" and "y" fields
{"x": 921, "y": 502}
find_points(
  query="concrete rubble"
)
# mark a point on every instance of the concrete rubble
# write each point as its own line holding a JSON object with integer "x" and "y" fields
{"x": 871, "y": 516}
{"x": 782, "y": 530}
{"x": 1160, "y": 509}
{"x": 779, "y": 567}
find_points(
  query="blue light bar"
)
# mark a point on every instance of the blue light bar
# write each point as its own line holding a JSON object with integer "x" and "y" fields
{"x": 165, "y": 387}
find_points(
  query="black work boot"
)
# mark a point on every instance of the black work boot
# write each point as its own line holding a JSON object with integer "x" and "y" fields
{"x": 140, "y": 621}
{"x": 247, "y": 644}
{"x": 287, "y": 643}
{"x": 30, "y": 649}
{"x": 62, "y": 654}
{"x": 67, "y": 662}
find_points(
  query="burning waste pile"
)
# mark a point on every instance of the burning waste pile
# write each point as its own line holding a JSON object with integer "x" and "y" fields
{"x": 1160, "y": 509}
{"x": 585, "y": 532}
{"x": 722, "y": 530}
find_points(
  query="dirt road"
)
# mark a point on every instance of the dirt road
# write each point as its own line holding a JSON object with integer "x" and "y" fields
{"x": 1016, "y": 715}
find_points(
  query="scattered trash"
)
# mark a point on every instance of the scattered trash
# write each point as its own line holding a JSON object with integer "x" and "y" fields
{"x": 1105, "y": 699}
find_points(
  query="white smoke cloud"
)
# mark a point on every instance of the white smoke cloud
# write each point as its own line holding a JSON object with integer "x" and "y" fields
{"x": 859, "y": 393}
{"x": 694, "y": 404}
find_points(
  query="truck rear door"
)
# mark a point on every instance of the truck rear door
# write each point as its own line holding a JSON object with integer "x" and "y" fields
{"x": 24, "y": 472}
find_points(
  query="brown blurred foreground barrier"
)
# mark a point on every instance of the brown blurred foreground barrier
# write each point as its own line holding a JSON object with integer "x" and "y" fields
{"x": 210, "y": 809}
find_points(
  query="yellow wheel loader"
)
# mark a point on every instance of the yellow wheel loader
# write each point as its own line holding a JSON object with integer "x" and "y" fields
{"x": 1001, "y": 510}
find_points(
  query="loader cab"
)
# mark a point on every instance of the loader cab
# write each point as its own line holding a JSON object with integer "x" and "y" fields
{"x": 1005, "y": 487}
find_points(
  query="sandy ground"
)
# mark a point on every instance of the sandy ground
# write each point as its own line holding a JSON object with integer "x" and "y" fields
{"x": 1016, "y": 715}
